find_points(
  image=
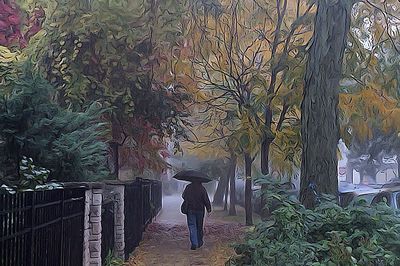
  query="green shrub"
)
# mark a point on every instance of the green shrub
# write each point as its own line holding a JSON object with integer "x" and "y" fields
{"x": 69, "y": 144}
{"x": 327, "y": 235}
{"x": 112, "y": 260}
{"x": 31, "y": 175}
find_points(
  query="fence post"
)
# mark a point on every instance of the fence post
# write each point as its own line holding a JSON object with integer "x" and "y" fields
{"x": 62, "y": 227}
{"x": 86, "y": 229}
{"x": 117, "y": 188}
{"x": 33, "y": 229}
{"x": 92, "y": 224}
{"x": 119, "y": 221}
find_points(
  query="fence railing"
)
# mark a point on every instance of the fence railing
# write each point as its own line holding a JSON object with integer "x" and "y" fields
{"x": 143, "y": 201}
{"x": 49, "y": 227}
{"x": 42, "y": 227}
{"x": 156, "y": 196}
{"x": 133, "y": 216}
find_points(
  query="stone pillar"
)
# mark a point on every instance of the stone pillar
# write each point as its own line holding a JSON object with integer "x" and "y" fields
{"x": 119, "y": 220}
{"x": 86, "y": 228}
{"x": 92, "y": 226}
{"x": 118, "y": 190}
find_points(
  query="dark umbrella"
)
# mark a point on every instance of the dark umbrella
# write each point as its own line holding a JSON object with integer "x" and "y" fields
{"x": 192, "y": 176}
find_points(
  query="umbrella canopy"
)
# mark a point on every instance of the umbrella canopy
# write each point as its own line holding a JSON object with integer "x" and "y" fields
{"x": 192, "y": 176}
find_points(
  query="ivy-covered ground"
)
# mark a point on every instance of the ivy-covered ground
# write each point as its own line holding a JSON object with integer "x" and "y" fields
{"x": 166, "y": 240}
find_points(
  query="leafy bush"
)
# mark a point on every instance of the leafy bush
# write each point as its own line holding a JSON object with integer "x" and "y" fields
{"x": 327, "y": 235}
{"x": 32, "y": 175}
{"x": 67, "y": 143}
{"x": 112, "y": 260}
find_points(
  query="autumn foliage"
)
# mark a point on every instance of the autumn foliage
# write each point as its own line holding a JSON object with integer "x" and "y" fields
{"x": 17, "y": 27}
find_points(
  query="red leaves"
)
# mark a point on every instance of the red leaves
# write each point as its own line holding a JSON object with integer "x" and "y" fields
{"x": 3, "y": 38}
{"x": 11, "y": 24}
{"x": 14, "y": 19}
{"x": 165, "y": 154}
{"x": 5, "y": 8}
{"x": 149, "y": 150}
{"x": 3, "y": 25}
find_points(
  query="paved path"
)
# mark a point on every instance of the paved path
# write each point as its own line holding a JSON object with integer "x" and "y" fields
{"x": 166, "y": 240}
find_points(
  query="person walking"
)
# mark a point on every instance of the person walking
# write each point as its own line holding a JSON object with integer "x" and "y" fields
{"x": 195, "y": 201}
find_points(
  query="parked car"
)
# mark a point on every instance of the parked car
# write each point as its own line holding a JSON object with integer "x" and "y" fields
{"x": 389, "y": 195}
{"x": 349, "y": 192}
{"x": 391, "y": 184}
{"x": 349, "y": 197}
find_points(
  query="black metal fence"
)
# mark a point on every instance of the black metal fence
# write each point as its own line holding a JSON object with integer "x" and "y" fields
{"x": 133, "y": 216}
{"x": 42, "y": 227}
{"x": 146, "y": 199}
{"x": 46, "y": 228}
{"x": 143, "y": 201}
{"x": 156, "y": 196}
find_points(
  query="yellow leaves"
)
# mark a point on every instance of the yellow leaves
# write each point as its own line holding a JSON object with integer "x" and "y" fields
{"x": 211, "y": 151}
{"x": 7, "y": 56}
{"x": 249, "y": 135}
{"x": 367, "y": 110}
{"x": 392, "y": 120}
{"x": 286, "y": 151}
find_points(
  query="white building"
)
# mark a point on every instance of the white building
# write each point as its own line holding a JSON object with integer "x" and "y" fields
{"x": 346, "y": 173}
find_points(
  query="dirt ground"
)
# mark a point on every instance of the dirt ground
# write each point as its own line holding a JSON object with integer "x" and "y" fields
{"x": 166, "y": 240}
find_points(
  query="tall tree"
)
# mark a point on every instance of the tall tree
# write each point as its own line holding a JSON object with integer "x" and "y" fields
{"x": 222, "y": 71}
{"x": 246, "y": 63}
{"x": 286, "y": 30}
{"x": 320, "y": 128}
{"x": 117, "y": 53}
{"x": 287, "y": 37}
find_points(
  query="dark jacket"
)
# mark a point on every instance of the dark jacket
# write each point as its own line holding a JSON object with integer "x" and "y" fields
{"x": 196, "y": 197}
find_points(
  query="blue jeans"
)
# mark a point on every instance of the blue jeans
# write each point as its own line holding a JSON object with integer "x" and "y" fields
{"x": 195, "y": 223}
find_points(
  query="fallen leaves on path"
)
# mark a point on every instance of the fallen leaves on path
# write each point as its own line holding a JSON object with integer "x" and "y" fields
{"x": 165, "y": 244}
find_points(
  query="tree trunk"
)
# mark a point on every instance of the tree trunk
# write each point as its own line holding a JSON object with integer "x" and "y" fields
{"x": 219, "y": 193}
{"x": 226, "y": 195}
{"x": 115, "y": 156}
{"x": 362, "y": 174}
{"x": 398, "y": 165}
{"x": 265, "y": 148}
{"x": 370, "y": 171}
{"x": 319, "y": 122}
{"x": 349, "y": 172}
{"x": 248, "y": 193}
{"x": 116, "y": 130}
{"x": 232, "y": 185}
